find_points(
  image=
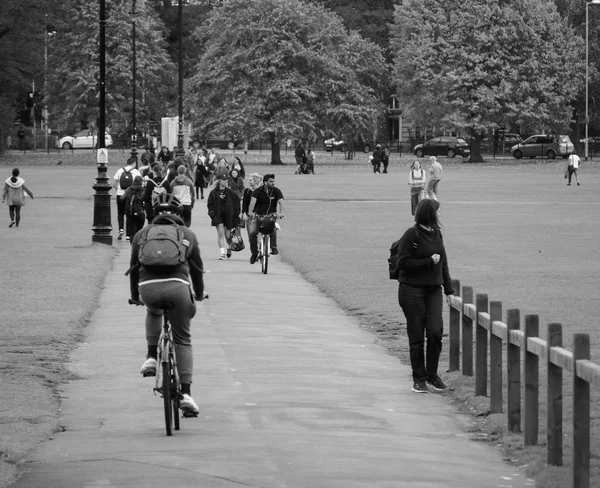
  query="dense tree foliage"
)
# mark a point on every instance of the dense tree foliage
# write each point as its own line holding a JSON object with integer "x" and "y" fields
{"x": 266, "y": 73}
{"x": 476, "y": 65}
{"x": 73, "y": 80}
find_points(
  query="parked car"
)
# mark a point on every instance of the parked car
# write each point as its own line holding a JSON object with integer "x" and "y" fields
{"x": 443, "y": 146}
{"x": 335, "y": 145}
{"x": 503, "y": 144}
{"x": 543, "y": 145}
{"x": 84, "y": 139}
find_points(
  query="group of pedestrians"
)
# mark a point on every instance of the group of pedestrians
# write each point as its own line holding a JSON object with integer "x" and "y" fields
{"x": 421, "y": 185}
{"x": 305, "y": 161}
{"x": 380, "y": 158}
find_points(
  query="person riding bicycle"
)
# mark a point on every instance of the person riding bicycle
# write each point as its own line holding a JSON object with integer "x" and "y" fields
{"x": 168, "y": 283}
{"x": 265, "y": 200}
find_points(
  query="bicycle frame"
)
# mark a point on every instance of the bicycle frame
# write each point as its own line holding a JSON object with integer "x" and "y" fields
{"x": 167, "y": 376}
{"x": 264, "y": 244}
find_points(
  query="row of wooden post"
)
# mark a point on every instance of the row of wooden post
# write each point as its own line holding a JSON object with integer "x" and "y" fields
{"x": 476, "y": 338}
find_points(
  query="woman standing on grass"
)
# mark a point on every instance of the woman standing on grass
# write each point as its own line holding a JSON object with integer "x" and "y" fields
{"x": 416, "y": 180}
{"x": 14, "y": 196}
{"x": 423, "y": 269}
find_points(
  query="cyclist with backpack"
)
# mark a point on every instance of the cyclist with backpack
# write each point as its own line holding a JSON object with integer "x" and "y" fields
{"x": 165, "y": 266}
{"x": 123, "y": 179}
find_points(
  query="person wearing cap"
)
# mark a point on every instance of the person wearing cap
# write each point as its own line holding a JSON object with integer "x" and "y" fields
{"x": 182, "y": 187}
{"x": 224, "y": 211}
{"x": 133, "y": 199}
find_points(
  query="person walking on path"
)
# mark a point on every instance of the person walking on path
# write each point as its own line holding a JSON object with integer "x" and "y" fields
{"x": 183, "y": 188}
{"x": 423, "y": 266}
{"x": 202, "y": 175}
{"x": 237, "y": 164}
{"x": 376, "y": 159}
{"x": 123, "y": 179}
{"x": 134, "y": 207}
{"x": 156, "y": 184}
{"x": 254, "y": 182}
{"x": 573, "y": 168}
{"x": 14, "y": 196}
{"x": 385, "y": 158}
{"x": 435, "y": 176}
{"x": 223, "y": 209}
{"x": 416, "y": 181}
{"x": 172, "y": 286}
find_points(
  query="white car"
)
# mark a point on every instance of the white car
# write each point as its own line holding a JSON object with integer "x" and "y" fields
{"x": 83, "y": 139}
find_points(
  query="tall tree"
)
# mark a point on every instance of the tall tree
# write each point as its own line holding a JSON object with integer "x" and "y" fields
{"x": 281, "y": 69}
{"x": 73, "y": 77}
{"x": 478, "y": 65}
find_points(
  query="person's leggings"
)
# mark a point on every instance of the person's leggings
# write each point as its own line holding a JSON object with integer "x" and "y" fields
{"x": 121, "y": 203}
{"x": 15, "y": 213}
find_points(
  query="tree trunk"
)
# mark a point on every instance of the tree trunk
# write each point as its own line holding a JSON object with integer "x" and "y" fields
{"x": 275, "y": 150}
{"x": 476, "y": 149}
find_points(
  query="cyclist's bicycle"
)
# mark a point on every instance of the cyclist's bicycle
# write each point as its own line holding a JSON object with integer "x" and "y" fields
{"x": 167, "y": 377}
{"x": 266, "y": 225}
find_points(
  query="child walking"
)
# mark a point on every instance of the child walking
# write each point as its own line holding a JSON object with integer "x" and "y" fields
{"x": 14, "y": 196}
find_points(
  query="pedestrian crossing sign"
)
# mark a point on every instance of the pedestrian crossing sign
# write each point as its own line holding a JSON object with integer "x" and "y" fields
{"x": 102, "y": 155}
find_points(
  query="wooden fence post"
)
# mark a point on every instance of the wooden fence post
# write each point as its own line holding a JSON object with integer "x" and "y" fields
{"x": 532, "y": 383}
{"x": 581, "y": 415}
{"x": 481, "y": 347}
{"x": 495, "y": 360}
{"x": 555, "y": 401}
{"x": 467, "y": 334}
{"x": 513, "y": 373}
{"x": 454, "y": 332}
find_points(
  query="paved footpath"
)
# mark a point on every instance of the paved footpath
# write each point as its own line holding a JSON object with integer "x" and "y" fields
{"x": 292, "y": 394}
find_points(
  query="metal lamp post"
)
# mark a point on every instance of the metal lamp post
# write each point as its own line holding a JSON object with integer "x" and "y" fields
{"x": 133, "y": 93}
{"x": 587, "y": 44}
{"x": 180, "y": 150}
{"x": 102, "y": 228}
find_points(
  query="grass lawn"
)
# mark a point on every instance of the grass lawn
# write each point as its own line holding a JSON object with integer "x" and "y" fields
{"x": 512, "y": 229}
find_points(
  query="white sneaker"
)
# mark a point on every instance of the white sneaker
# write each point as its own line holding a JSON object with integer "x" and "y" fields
{"x": 223, "y": 256}
{"x": 188, "y": 405}
{"x": 149, "y": 367}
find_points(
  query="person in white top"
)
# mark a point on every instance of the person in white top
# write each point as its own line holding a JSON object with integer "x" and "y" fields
{"x": 416, "y": 181}
{"x": 131, "y": 173}
{"x": 183, "y": 188}
{"x": 573, "y": 168}
{"x": 435, "y": 176}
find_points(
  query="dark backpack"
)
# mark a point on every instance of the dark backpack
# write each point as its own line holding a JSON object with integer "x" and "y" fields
{"x": 162, "y": 248}
{"x": 126, "y": 179}
{"x": 135, "y": 206}
{"x": 393, "y": 264}
{"x": 393, "y": 260}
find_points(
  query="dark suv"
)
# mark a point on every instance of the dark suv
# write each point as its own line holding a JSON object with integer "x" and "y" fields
{"x": 443, "y": 146}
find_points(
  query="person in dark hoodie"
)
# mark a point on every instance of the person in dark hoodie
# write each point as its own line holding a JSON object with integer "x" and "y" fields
{"x": 14, "y": 196}
{"x": 181, "y": 286}
{"x": 223, "y": 207}
{"x": 134, "y": 207}
{"x": 423, "y": 266}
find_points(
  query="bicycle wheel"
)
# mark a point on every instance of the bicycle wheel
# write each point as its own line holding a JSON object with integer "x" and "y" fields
{"x": 174, "y": 395}
{"x": 166, "y": 392}
{"x": 265, "y": 254}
